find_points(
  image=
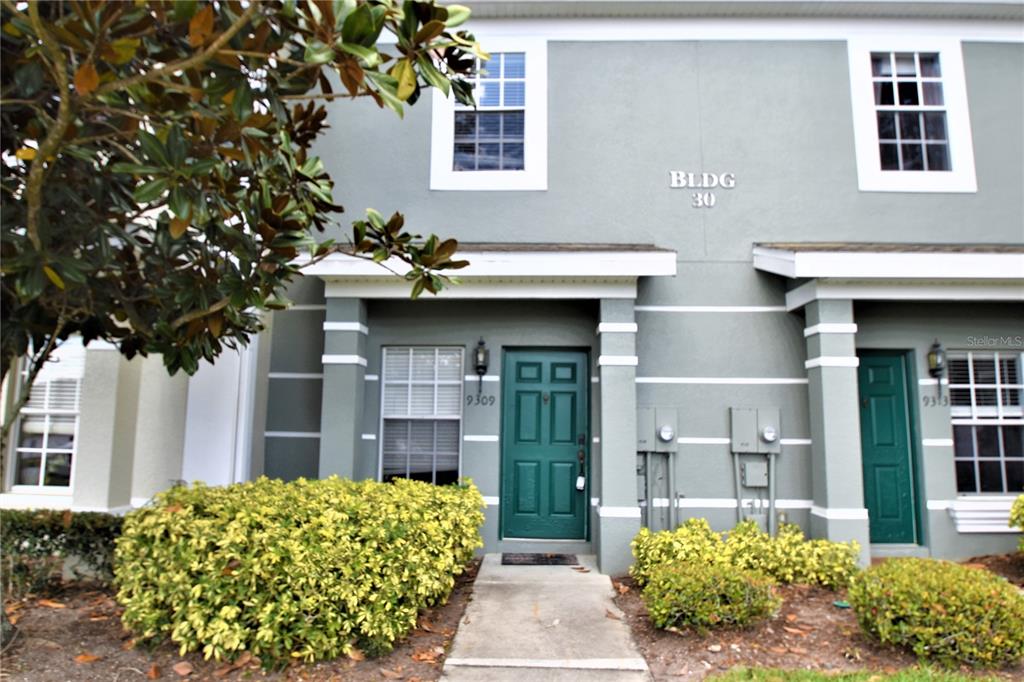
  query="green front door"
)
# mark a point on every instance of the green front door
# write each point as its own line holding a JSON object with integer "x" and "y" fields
{"x": 544, "y": 444}
{"x": 885, "y": 447}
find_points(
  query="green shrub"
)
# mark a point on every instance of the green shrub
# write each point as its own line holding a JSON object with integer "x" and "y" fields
{"x": 1017, "y": 518}
{"x": 306, "y": 569}
{"x": 941, "y": 611}
{"x": 35, "y": 545}
{"x": 701, "y": 595}
{"x": 787, "y": 557}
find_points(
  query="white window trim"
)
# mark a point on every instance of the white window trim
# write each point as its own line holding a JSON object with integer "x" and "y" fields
{"x": 870, "y": 176}
{"x": 379, "y": 436}
{"x": 534, "y": 176}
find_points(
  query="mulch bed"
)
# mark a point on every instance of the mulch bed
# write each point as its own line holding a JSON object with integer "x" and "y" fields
{"x": 809, "y": 632}
{"x": 1010, "y": 566}
{"x": 77, "y": 635}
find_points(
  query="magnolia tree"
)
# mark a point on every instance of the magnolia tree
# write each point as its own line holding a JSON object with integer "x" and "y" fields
{"x": 158, "y": 189}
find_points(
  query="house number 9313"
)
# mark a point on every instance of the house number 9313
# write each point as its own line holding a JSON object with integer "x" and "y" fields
{"x": 704, "y": 183}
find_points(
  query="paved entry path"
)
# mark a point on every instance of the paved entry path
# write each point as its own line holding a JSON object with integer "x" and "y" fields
{"x": 543, "y": 623}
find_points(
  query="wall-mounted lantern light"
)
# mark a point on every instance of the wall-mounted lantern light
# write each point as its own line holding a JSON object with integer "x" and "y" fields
{"x": 937, "y": 364}
{"x": 481, "y": 358}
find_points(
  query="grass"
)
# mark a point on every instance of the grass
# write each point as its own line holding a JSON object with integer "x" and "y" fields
{"x": 774, "y": 675}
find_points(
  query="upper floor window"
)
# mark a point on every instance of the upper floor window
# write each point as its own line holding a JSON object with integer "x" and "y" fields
{"x": 910, "y": 116}
{"x": 501, "y": 144}
{"x": 985, "y": 390}
{"x": 421, "y": 407}
{"x": 47, "y": 427}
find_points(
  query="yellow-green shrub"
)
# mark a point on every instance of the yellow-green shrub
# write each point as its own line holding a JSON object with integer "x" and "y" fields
{"x": 1017, "y": 517}
{"x": 306, "y": 569}
{"x": 788, "y": 557}
{"x": 701, "y": 595}
{"x": 941, "y": 611}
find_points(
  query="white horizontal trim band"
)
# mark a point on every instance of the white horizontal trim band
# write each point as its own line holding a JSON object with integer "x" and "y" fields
{"x": 937, "y": 442}
{"x": 932, "y": 382}
{"x": 346, "y": 327}
{"x": 619, "y": 512}
{"x": 595, "y": 501}
{"x": 618, "y": 361}
{"x": 371, "y": 377}
{"x": 840, "y": 513}
{"x": 939, "y": 505}
{"x": 295, "y": 375}
{"x": 617, "y": 328}
{"x": 720, "y": 380}
{"x": 730, "y": 503}
{"x": 551, "y": 663}
{"x": 303, "y": 307}
{"x": 480, "y": 439}
{"x": 710, "y": 308}
{"x": 344, "y": 360}
{"x": 832, "y": 361}
{"x": 491, "y": 501}
{"x": 597, "y": 439}
{"x": 595, "y": 380}
{"x": 725, "y": 440}
{"x": 831, "y": 328}
{"x": 369, "y": 436}
{"x": 291, "y": 434}
{"x": 487, "y": 377}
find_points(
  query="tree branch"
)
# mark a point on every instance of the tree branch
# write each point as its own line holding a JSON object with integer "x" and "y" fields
{"x": 185, "y": 64}
{"x": 196, "y": 314}
{"x": 48, "y": 148}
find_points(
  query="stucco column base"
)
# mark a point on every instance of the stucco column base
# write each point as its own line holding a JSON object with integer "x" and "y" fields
{"x": 844, "y": 530}
{"x": 613, "y": 554}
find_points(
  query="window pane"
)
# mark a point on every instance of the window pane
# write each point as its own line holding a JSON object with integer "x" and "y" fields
{"x": 1012, "y": 441}
{"x": 28, "y": 468}
{"x": 965, "y": 482}
{"x": 985, "y": 397}
{"x": 988, "y": 440}
{"x": 958, "y": 371}
{"x": 449, "y": 365}
{"x": 465, "y": 157}
{"x": 422, "y": 400}
{"x": 490, "y": 126}
{"x": 1009, "y": 370}
{"x": 515, "y": 94}
{"x": 881, "y": 64}
{"x": 910, "y": 126}
{"x": 512, "y": 158}
{"x": 886, "y": 125}
{"x": 984, "y": 370}
{"x": 489, "y": 156}
{"x": 930, "y": 65}
{"x": 963, "y": 441}
{"x": 396, "y": 364}
{"x": 449, "y": 400}
{"x": 991, "y": 475}
{"x": 465, "y": 124}
{"x": 908, "y": 92}
{"x": 423, "y": 364}
{"x": 932, "y": 93}
{"x": 30, "y": 440}
{"x": 488, "y": 96}
{"x": 59, "y": 442}
{"x": 512, "y": 125}
{"x": 905, "y": 64}
{"x": 396, "y": 448}
{"x": 913, "y": 159}
{"x": 1015, "y": 475}
{"x": 515, "y": 65}
{"x": 58, "y": 469}
{"x": 960, "y": 396}
{"x": 884, "y": 93}
{"x": 890, "y": 157}
{"x": 938, "y": 157}
{"x": 492, "y": 67}
{"x": 935, "y": 125}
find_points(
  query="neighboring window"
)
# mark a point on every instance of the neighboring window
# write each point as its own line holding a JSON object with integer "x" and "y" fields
{"x": 501, "y": 144}
{"x": 421, "y": 407}
{"x": 910, "y": 116}
{"x": 47, "y": 429}
{"x": 988, "y": 421}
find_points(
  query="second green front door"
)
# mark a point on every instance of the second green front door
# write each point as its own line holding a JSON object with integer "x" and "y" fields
{"x": 544, "y": 444}
{"x": 885, "y": 447}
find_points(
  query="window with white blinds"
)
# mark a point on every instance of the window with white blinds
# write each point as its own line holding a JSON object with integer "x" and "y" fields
{"x": 987, "y": 409}
{"x": 48, "y": 423}
{"x": 421, "y": 407}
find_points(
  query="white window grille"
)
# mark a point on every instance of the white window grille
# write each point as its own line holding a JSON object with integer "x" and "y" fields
{"x": 987, "y": 410}
{"x": 421, "y": 408}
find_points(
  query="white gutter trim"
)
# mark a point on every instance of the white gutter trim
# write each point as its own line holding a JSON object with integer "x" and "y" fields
{"x": 904, "y": 265}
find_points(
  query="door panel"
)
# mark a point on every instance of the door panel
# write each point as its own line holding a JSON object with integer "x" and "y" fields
{"x": 544, "y": 420}
{"x": 885, "y": 447}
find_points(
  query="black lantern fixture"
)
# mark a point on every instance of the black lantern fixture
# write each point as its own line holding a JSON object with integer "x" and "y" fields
{"x": 481, "y": 358}
{"x": 937, "y": 364}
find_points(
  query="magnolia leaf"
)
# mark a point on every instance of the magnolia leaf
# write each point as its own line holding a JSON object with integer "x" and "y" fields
{"x": 369, "y": 55}
{"x": 123, "y": 50}
{"x": 359, "y": 27}
{"x": 405, "y": 74}
{"x": 25, "y": 153}
{"x": 54, "y": 277}
{"x": 151, "y": 190}
{"x": 86, "y": 79}
{"x": 457, "y": 15}
{"x": 432, "y": 75}
{"x": 200, "y": 26}
{"x": 317, "y": 52}
{"x": 430, "y": 30}
{"x": 153, "y": 148}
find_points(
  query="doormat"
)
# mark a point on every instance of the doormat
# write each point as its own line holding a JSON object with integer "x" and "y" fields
{"x": 511, "y": 559}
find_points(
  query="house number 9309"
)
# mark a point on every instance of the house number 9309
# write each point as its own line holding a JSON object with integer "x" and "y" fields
{"x": 704, "y": 182}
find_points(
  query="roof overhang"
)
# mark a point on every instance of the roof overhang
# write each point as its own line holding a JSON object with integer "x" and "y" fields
{"x": 957, "y": 272}
{"x": 509, "y": 271}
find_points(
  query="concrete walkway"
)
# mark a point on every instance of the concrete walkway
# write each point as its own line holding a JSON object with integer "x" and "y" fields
{"x": 543, "y": 623}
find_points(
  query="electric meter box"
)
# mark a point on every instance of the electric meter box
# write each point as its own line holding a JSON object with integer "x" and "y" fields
{"x": 657, "y": 429}
{"x": 755, "y": 474}
{"x": 755, "y": 430}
